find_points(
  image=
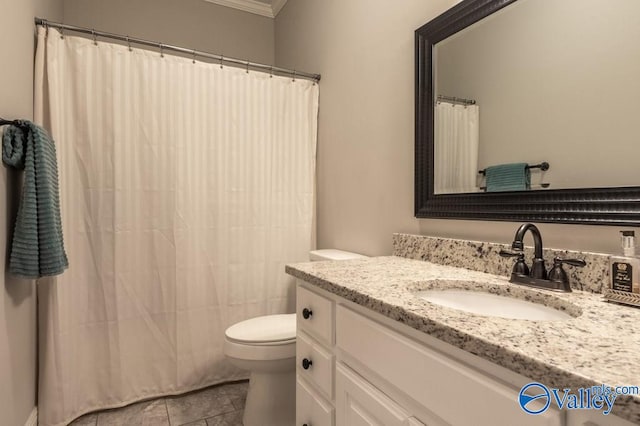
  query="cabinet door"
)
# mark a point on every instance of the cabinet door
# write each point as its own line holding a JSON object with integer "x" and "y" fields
{"x": 359, "y": 403}
{"x": 594, "y": 418}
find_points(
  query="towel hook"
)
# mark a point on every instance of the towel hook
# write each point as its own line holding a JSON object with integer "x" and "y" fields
{"x": 4, "y": 122}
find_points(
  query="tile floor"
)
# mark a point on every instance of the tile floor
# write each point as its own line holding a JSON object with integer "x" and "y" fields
{"x": 220, "y": 405}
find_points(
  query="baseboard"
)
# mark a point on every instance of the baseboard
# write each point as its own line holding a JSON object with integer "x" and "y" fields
{"x": 33, "y": 418}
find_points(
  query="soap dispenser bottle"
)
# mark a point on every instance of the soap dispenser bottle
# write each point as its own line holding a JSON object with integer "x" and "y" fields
{"x": 625, "y": 268}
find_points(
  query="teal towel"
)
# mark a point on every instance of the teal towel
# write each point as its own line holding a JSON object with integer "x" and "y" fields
{"x": 38, "y": 248}
{"x": 508, "y": 177}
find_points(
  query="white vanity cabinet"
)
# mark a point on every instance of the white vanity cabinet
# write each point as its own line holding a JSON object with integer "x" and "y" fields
{"x": 366, "y": 369}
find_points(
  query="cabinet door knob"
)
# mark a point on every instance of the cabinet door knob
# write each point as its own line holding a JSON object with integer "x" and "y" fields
{"x": 306, "y": 313}
{"x": 306, "y": 363}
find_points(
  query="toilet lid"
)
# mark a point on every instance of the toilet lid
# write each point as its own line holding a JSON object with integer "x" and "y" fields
{"x": 269, "y": 328}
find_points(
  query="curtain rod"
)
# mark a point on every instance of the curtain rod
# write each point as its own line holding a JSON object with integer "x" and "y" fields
{"x": 456, "y": 100}
{"x": 239, "y": 62}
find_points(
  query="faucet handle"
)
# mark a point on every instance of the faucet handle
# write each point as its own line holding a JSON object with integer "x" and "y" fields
{"x": 573, "y": 262}
{"x": 520, "y": 266}
{"x": 558, "y": 274}
{"x": 505, "y": 253}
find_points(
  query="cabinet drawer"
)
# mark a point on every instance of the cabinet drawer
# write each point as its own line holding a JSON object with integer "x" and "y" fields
{"x": 455, "y": 392}
{"x": 319, "y": 362}
{"x": 311, "y": 408}
{"x": 315, "y": 315}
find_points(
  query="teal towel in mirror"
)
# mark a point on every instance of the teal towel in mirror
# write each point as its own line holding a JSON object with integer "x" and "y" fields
{"x": 508, "y": 177}
{"x": 37, "y": 249}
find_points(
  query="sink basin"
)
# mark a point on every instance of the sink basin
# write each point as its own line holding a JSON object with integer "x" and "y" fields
{"x": 488, "y": 304}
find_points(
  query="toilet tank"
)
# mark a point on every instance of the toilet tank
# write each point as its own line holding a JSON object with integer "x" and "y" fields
{"x": 333, "y": 254}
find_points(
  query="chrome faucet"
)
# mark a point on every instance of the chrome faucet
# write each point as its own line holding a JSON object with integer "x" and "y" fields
{"x": 556, "y": 280}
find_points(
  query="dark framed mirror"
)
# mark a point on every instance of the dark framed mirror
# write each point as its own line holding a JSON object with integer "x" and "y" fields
{"x": 552, "y": 83}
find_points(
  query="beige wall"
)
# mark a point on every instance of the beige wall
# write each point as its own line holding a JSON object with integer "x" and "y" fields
{"x": 557, "y": 82}
{"x": 365, "y": 52}
{"x": 194, "y": 24}
{"x": 18, "y": 346}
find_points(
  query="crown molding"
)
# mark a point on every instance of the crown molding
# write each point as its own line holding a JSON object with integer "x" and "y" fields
{"x": 253, "y": 6}
{"x": 277, "y": 5}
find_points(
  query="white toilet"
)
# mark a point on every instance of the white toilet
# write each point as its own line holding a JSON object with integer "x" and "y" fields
{"x": 266, "y": 346}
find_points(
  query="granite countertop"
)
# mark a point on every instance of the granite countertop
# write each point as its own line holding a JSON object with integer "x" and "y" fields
{"x": 601, "y": 345}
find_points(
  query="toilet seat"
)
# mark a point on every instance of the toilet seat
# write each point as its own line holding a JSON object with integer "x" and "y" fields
{"x": 265, "y": 330}
{"x": 266, "y": 338}
{"x": 260, "y": 352}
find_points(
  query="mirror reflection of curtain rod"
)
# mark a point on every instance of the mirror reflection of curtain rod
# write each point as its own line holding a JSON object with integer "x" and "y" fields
{"x": 455, "y": 100}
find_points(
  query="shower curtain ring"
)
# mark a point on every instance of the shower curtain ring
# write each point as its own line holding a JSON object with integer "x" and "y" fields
{"x": 271, "y": 72}
{"x": 294, "y": 76}
{"x": 221, "y": 59}
{"x": 95, "y": 38}
{"x": 194, "y": 56}
{"x": 248, "y": 63}
{"x": 161, "y": 51}
{"x": 129, "y": 44}
{"x": 62, "y": 33}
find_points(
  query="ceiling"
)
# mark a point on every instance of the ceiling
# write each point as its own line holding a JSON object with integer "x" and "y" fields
{"x": 268, "y": 8}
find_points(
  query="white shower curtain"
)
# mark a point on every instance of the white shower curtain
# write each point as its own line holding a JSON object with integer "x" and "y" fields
{"x": 185, "y": 188}
{"x": 456, "y": 148}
